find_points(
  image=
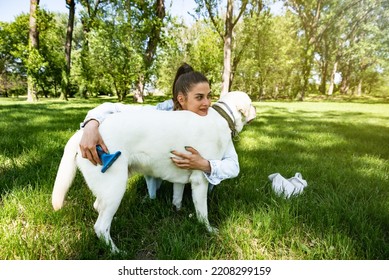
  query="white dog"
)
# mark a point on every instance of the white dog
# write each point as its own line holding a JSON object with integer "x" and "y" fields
{"x": 145, "y": 138}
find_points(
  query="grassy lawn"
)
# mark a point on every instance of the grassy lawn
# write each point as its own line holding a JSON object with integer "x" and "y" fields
{"x": 341, "y": 149}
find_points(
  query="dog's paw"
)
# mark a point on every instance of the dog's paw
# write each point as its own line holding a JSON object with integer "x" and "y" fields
{"x": 177, "y": 207}
{"x": 212, "y": 230}
{"x": 115, "y": 250}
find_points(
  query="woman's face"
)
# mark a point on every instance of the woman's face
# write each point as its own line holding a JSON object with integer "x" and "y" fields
{"x": 197, "y": 100}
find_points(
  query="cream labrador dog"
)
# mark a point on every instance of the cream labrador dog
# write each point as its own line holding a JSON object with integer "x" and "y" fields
{"x": 145, "y": 138}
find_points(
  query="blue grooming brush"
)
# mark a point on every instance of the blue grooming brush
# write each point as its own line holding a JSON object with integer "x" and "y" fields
{"x": 107, "y": 159}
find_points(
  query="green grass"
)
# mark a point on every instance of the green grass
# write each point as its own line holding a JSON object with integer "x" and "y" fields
{"x": 340, "y": 148}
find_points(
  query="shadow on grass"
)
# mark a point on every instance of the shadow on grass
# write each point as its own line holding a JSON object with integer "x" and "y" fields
{"x": 345, "y": 204}
{"x": 31, "y": 146}
{"x": 344, "y": 160}
{"x": 342, "y": 156}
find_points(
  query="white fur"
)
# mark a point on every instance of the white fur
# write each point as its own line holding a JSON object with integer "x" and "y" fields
{"x": 145, "y": 138}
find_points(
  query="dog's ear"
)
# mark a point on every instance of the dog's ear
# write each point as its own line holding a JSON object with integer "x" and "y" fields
{"x": 244, "y": 111}
{"x": 250, "y": 114}
{"x": 245, "y": 107}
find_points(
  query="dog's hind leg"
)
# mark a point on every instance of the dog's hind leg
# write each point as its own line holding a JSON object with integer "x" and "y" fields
{"x": 178, "y": 192}
{"x": 107, "y": 208}
{"x": 199, "y": 195}
{"x": 109, "y": 193}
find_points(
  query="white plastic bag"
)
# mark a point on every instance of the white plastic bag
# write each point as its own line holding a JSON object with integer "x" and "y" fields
{"x": 287, "y": 187}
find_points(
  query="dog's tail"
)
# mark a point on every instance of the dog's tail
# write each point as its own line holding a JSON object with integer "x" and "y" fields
{"x": 66, "y": 171}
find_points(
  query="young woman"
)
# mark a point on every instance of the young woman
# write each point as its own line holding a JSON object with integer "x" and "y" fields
{"x": 191, "y": 91}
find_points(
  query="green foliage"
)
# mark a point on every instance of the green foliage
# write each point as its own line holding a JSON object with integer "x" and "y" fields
{"x": 13, "y": 51}
{"x": 311, "y": 47}
{"x": 340, "y": 148}
{"x": 116, "y": 54}
{"x": 268, "y": 68}
{"x": 52, "y": 39}
{"x": 199, "y": 46}
{"x": 113, "y": 58}
{"x": 346, "y": 34}
{"x": 205, "y": 49}
{"x": 45, "y": 64}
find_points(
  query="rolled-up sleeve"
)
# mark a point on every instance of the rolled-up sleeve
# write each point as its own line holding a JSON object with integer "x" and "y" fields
{"x": 101, "y": 112}
{"x": 226, "y": 168}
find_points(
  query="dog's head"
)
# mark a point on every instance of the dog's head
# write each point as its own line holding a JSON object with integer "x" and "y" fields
{"x": 241, "y": 106}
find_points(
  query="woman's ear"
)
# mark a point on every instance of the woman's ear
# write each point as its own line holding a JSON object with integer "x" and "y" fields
{"x": 181, "y": 99}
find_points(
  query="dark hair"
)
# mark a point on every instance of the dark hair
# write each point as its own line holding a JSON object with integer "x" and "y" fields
{"x": 184, "y": 68}
{"x": 184, "y": 84}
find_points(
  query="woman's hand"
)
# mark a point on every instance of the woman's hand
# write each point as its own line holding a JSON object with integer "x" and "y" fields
{"x": 90, "y": 139}
{"x": 192, "y": 161}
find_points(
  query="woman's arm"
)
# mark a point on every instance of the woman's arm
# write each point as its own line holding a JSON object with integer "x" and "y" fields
{"x": 192, "y": 161}
{"x": 214, "y": 170}
{"x": 226, "y": 168}
{"x": 101, "y": 112}
{"x": 90, "y": 139}
{"x": 91, "y": 136}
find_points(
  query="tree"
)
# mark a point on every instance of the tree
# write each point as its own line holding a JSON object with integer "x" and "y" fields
{"x": 309, "y": 12}
{"x": 210, "y": 9}
{"x": 363, "y": 49}
{"x": 124, "y": 47}
{"x": 33, "y": 51}
{"x": 51, "y": 79}
{"x": 343, "y": 36}
{"x": 116, "y": 62}
{"x": 133, "y": 31}
{"x": 68, "y": 47}
{"x": 153, "y": 17}
{"x": 198, "y": 45}
{"x": 268, "y": 67}
{"x": 89, "y": 20}
{"x": 245, "y": 32}
{"x": 45, "y": 65}
{"x": 13, "y": 50}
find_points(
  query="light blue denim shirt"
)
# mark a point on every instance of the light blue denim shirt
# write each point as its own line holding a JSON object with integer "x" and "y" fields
{"x": 167, "y": 105}
{"x": 227, "y": 167}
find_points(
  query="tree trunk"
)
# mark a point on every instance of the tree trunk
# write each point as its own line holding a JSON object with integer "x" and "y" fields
{"x": 276, "y": 91}
{"x": 68, "y": 48}
{"x": 226, "y": 35}
{"x": 152, "y": 44}
{"x": 33, "y": 45}
{"x": 324, "y": 73}
{"x": 332, "y": 79}
{"x": 138, "y": 96}
{"x": 87, "y": 24}
{"x": 227, "y": 48}
{"x": 323, "y": 79}
{"x": 359, "y": 88}
{"x": 306, "y": 74}
{"x": 344, "y": 88}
